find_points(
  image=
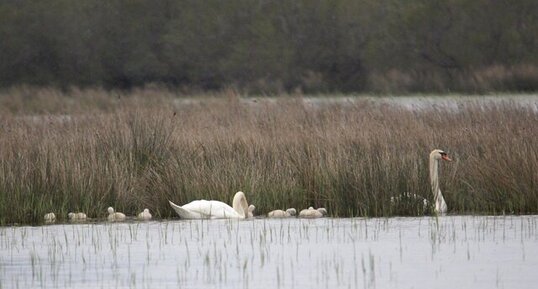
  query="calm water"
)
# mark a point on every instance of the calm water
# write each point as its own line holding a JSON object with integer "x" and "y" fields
{"x": 450, "y": 102}
{"x": 450, "y": 252}
{"x": 447, "y": 102}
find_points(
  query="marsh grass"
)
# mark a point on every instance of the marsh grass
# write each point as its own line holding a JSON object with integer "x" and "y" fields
{"x": 87, "y": 150}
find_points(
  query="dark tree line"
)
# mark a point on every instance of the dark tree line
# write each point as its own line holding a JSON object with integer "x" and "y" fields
{"x": 271, "y": 46}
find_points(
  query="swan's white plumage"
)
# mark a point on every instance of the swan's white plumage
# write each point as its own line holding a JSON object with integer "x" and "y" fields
{"x": 115, "y": 216}
{"x": 145, "y": 215}
{"x": 204, "y": 209}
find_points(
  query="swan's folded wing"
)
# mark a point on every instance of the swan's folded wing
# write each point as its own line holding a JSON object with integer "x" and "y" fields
{"x": 212, "y": 209}
{"x": 203, "y": 209}
{"x": 185, "y": 213}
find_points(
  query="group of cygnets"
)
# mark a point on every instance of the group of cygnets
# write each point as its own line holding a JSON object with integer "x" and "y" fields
{"x": 113, "y": 216}
{"x": 204, "y": 209}
{"x": 145, "y": 215}
{"x": 309, "y": 213}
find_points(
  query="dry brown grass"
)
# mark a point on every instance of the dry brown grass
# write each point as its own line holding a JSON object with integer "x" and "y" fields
{"x": 141, "y": 149}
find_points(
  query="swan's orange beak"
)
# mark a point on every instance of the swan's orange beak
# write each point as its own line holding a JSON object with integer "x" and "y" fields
{"x": 446, "y": 158}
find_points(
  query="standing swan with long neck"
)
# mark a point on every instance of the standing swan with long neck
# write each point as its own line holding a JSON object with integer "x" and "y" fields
{"x": 435, "y": 156}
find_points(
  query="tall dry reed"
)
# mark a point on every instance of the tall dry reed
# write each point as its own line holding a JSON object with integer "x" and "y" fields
{"x": 142, "y": 149}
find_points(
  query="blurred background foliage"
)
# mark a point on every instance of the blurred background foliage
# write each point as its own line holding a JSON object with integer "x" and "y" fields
{"x": 263, "y": 46}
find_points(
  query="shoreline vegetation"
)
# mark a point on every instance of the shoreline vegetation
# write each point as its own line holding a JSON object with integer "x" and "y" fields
{"x": 86, "y": 150}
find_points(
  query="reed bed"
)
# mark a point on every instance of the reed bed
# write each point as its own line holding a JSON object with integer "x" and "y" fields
{"x": 87, "y": 150}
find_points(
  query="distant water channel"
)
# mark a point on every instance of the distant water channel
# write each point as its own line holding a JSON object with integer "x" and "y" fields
{"x": 452, "y": 103}
{"x": 427, "y": 252}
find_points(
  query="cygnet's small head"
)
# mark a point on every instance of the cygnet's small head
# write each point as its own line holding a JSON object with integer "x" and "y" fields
{"x": 146, "y": 211}
{"x": 110, "y": 210}
{"x": 310, "y": 208}
{"x": 71, "y": 215}
{"x": 291, "y": 211}
{"x": 251, "y": 208}
{"x": 440, "y": 155}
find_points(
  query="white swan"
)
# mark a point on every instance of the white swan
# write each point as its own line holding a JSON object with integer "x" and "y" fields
{"x": 76, "y": 216}
{"x": 435, "y": 156}
{"x": 50, "y": 218}
{"x": 312, "y": 213}
{"x": 145, "y": 215}
{"x": 282, "y": 214}
{"x": 115, "y": 216}
{"x": 204, "y": 209}
{"x": 251, "y": 209}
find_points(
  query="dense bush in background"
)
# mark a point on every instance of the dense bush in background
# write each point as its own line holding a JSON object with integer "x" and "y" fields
{"x": 272, "y": 46}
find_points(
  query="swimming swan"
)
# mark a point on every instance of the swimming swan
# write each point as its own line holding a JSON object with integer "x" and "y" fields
{"x": 312, "y": 213}
{"x": 291, "y": 212}
{"x": 115, "y": 216}
{"x": 435, "y": 156}
{"x": 76, "y": 216}
{"x": 145, "y": 215}
{"x": 204, "y": 209}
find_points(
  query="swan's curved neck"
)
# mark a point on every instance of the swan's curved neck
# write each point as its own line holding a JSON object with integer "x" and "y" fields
{"x": 240, "y": 205}
{"x": 440, "y": 205}
{"x": 434, "y": 174}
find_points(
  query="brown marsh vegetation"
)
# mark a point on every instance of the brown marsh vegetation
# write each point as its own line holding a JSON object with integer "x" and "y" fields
{"x": 87, "y": 150}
